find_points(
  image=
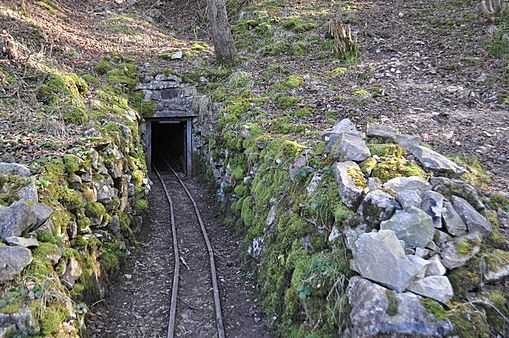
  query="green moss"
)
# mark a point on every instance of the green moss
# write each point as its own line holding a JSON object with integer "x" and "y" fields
{"x": 358, "y": 177}
{"x": 104, "y": 66}
{"x": 297, "y": 24}
{"x": 286, "y": 102}
{"x": 434, "y": 308}
{"x": 465, "y": 278}
{"x": 392, "y": 308}
{"x": 125, "y": 76}
{"x": 292, "y": 82}
{"x": 72, "y": 163}
{"x": 141, "y": 205}
{"x": 52, "y": 317}
{"x": 477, "y": 174}
{"x": 91, "y": 80}
{"x": 274, "y": 47}
{"x": 468, "y": 322}
{"x": 110, "y": 262}
{"x": 95, "y": 209}
{"x": 75, "y": 115}
{"x": 299, "y": 48}
{"x": 386, "y": 150}
{"x": 389, "y": 169}
{"x": 464, "y": 248}
{"x": 368, "y": 166}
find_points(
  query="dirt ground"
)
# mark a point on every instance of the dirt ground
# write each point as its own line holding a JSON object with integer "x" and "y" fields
{"x": 139, "y": 301}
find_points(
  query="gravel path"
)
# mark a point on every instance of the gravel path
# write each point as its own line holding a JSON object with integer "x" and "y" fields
{"x": 138, "y": 304}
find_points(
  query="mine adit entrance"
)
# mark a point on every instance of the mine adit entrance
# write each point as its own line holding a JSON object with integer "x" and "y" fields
{"x": 169, "y": 132}
{"x": 171, "y": 138}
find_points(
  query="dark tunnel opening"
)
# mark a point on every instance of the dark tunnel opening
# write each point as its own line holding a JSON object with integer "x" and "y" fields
{"x": 169, "y": 142}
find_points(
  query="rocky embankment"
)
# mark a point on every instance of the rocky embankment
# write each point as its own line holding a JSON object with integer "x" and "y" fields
{"x": 377, "y": 226}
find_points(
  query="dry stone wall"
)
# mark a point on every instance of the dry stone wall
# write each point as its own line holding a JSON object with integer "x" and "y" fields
{"x": 415, "y": 232}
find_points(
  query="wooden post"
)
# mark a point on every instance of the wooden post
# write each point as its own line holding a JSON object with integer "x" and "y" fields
{"x": 189, "y": 147}
{"x": 148, "y": 142}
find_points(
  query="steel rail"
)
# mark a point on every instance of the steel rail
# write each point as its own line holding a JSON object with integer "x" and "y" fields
{"x": 217, "y": 299}
{"x": 176, "y": 270}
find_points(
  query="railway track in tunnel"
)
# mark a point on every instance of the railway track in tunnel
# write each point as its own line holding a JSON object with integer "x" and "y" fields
{"x": 189, "y": 300}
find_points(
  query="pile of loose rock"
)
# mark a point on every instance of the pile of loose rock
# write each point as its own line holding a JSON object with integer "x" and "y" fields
{"x": 414, "y": 231}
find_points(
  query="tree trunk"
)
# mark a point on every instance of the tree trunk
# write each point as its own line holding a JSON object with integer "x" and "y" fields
{"x": 221, "y": 32}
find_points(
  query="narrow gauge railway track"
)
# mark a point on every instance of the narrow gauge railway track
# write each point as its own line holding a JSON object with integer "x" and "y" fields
{"x": 175, "y": 305}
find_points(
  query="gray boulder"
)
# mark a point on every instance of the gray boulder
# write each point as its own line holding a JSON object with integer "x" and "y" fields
{"x": 28, "y": 193}
{"x": 380, "y": 130}
{"x": 22, "y": 321}
{"x": 379, "y": 256}
{"x": 409, "y": 198}
{"x": 474, "y": 220}
{"x": 377, "y": 206}
{"x": 453, "y": 222}
{"x": 21, "y": 241}
{"x": 435, "y": 287}
{"x": 342, "y": 127}
{"x": 407, "y": 183}
{"x": 459, "y": 251}
{"x": 430, "y": 159}
{"x": 15, "y": 219}
{"x": 349, "y": 192}
{"x": 433, "y": 203}
{"x": 412, "y": 225}
{"x": 13, "y": 260}
{"x": 448, "y": 187}
{"x": 11, "y": 169}
{"x": 351, "y": 147}
{"x": 379, "y": 312}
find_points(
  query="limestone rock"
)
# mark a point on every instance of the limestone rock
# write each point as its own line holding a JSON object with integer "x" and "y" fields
{"x": 378, "y": 256}
{"x": 453, "y": 222}
{"x": 315, "y": 181}
{"x": 21, "y": 241}
{"x": 22, "y": 320}
{"x": 449, "y": 187}
{"x": 334, "y": 234}
{"x": 255, "y": 250}
{"x": 433, "y": 203}
{"x": 349, "y": 192}
{"x": 13, "y": 259}
{"x": 430, "y": 159}
{"x": 28, "y": 193}
{"x": 407, "y": 183}
{"x": 407, "y": 141}
{"x": 497, "y": 266}
{"x": 474, "y": 220}
{"x": 380, "y": 130}
{"x": 435, "y": 268}
{"x": 342, "y": 127}
{"x": 373, "y": 314}
{"x": 435, "y": 287}
{"x": 72, "y": 273}
{"x": 41, "y": 211}
{"x": 14, "y": 169}
{"x": 412, "y": 225}
{"x": 460, "y": 250}
{"x": 351, "y": 147}
{"x": 15, "y": 219}
{"x": 377, "y": 206}
{"x": 420, "y": 263}
{"x": 409, "y": 198}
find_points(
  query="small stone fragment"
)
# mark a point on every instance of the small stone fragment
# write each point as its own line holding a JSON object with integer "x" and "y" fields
{"x": 343, "y": 126}
{"x": 435, "y": 268}
{"x": 13, "y": 259}
{"x": 412, "y": 225}
{"x": 433, "y": 203}
{"x": 435, "y": 287}
{"x": 72, "y": 273}
{"x": 420, "y": 263}
{"x": 474, "y": 220}
{"x": 21, "y": 241}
